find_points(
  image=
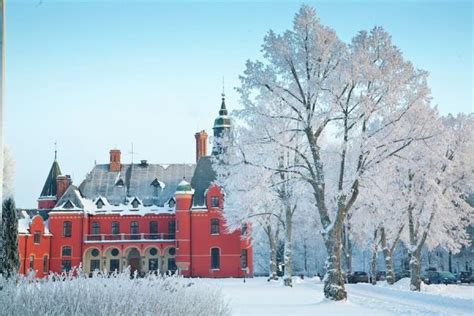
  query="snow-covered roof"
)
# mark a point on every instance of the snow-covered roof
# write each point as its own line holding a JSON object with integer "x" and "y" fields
{"x": 153, "y": 184}
{"x": 74, "y": 201}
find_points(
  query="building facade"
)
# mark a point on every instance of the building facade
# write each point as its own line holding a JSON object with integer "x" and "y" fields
{"x": 144, "y": 216}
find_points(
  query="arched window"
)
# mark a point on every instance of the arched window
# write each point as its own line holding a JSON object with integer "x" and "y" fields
{"x": 45, "y": 264}
{"x": 32, "y": 262}
{"x": 115, "y": 228}
{"x": 95, "y": 228}
{"x": 66, "y": 251}
{"x": 215, "y": 258}
{"x": 67, "y": 229}
{"x": 214, "y": 226}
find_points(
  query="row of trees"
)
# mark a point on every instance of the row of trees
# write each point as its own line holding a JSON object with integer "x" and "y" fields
{"x": 344, "y": 135}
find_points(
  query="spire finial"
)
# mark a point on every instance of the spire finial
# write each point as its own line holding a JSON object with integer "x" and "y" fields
{"x": 223, "y": 88}
{"x": 223, "y": 110}
{"x": 55, "y": 150}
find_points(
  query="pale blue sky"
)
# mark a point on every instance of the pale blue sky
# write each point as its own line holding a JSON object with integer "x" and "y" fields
{"x": 99, "y": 74}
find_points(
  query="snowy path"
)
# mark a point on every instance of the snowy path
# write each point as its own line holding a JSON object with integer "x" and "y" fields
{"x": 409, "y": 303}
{"x": 259, "y": 297}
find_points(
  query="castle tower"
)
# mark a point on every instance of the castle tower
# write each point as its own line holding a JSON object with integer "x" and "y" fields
{"x": 184, "y": 196}
{"x": 221, "y": 126}
{"x": 48, "y": 196}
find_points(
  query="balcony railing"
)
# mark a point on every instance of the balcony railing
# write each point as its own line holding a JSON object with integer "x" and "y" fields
{"x": 129, "y": 237}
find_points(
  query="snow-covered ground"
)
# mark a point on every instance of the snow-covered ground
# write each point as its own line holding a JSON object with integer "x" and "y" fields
{"x": 258, "y": 297}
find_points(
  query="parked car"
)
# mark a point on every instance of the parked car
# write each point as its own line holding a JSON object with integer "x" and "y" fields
{"x": 402, "y": 274}
{"x": 381, "y": 276}
{"x": 466, "y": 277}
{"x": 439, "y": 277}
{"x": 358, "y": 277}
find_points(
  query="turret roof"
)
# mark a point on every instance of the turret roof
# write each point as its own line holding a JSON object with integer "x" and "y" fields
{"x": 49, "y": 188}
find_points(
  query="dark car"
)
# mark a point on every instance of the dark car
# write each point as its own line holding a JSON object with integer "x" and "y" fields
{"x": 402, "y": 274}
{"x": 381, "y": 276}
{"x": 465, "y": 277}
{"x": 439, "y": 277}
{"x": 358, "y": 277}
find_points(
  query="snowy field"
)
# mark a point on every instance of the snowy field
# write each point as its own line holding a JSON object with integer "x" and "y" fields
{"x": 259, "y": 297}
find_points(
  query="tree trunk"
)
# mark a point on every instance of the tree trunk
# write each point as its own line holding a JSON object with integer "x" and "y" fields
{"x": 348, "y": 248}
{"x": 374, "y": 259}
{"x": 273, "y": 252}
{"x": 415, "y": 268}
{"x": 288, "y": 247}
{"x": 333, "y": 280}
{"x": 387, "y": 254}
{"x": 305, "y": 247}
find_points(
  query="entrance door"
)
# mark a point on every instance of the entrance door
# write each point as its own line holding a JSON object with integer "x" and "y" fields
{"x": 134, "y": 260}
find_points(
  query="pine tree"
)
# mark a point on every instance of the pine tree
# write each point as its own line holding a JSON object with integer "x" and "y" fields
{"x": 10, "y": 261}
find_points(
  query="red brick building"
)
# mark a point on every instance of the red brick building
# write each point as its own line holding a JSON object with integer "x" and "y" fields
{"x": 143, "y": 215}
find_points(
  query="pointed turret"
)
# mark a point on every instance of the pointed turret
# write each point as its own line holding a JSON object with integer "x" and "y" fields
{"x": 50, "y": 187}
{"x": 221, "y": 125}
{"x": 54, "y": 186}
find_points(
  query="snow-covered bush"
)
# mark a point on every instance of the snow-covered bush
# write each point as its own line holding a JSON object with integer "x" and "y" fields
{"x": 117, "y": 294}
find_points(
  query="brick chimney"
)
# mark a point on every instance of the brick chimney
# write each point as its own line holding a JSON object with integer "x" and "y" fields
{"x": 115, "y": 165}
{"x": 201, "y": 144}
{"x": 62, "y": 183}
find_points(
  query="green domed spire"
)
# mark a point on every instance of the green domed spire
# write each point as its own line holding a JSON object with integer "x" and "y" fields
{"x": 184, "y": 187}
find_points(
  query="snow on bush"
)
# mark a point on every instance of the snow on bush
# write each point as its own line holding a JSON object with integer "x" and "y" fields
{"x": 115, "y": 294}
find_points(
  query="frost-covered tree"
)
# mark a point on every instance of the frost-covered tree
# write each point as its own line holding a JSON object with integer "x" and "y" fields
{"x": 318, "y": 86}
{"x": 10, "y": 261}
{"x": 259, "y": 189}
{"x": 438, "y": 176}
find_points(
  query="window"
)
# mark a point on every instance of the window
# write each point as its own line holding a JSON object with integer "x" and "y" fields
{"x": 95, "y": 264}
{"x": 172, "y": 229}
{"x": 32, "y": 262}
{"x": 114, "y": 252}
{"x": 215, "y": 254}
{"x": 37, "y": 237}
{"x": 135, "y": 203}
{"x": 45, "y": 264}
{"x": 153, "y": 264}
{"x": 172, "y": 251}
{"x": 95, "y": 252}
{"x": 99, "y": 203}
{"x": 153, "y": 230}
{"x": 67, "y": 229}
{"x": 243, "y": 231}
{"x": 115, "y": 228}
{"x": 153, "y": 251}
{"x": 171, "y": 203}
{"x": 95, "y": 228}
{"x": 66, "y": 251}
{"x": 66, "y": 265}
{"x": 134, "y": 230}
{"x": 172, "y": 264}
{"x": 214, "y": 226}
{"x": 215, "y": 201}
{"x": 243, "y": 258}
{"x": 114, "y": 265}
